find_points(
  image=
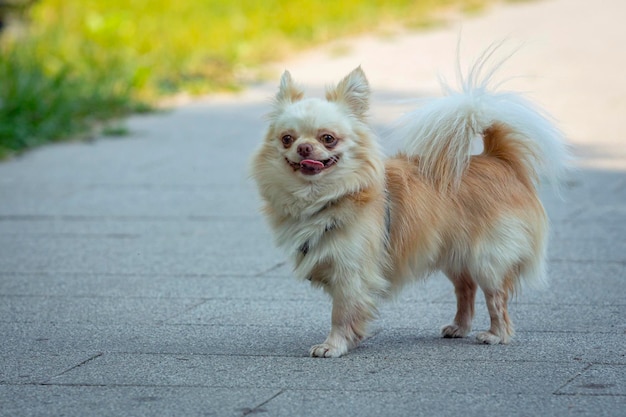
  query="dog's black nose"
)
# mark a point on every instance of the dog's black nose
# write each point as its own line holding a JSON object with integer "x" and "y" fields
{"x": 305, "y": 149}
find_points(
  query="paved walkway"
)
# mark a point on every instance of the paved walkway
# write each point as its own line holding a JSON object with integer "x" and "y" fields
{"x": 138, "y": 279}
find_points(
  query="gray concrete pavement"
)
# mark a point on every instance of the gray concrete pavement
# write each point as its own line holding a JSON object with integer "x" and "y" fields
{"x": 138, "y": 279}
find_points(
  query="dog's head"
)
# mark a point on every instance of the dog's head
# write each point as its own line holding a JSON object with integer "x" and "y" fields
{"x": 313, "y": 140}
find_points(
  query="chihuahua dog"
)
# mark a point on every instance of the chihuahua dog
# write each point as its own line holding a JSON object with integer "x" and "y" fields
{"x": 361, "y": 225}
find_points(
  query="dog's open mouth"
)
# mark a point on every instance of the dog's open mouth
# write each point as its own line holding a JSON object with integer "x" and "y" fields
{"x": 313, "y": 166}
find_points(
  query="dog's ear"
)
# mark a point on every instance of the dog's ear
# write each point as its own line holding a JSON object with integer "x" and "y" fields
{"x": 288, "y": 92}
{"x": 353, "y": 91}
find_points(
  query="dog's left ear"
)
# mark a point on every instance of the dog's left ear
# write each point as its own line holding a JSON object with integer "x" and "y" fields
{"x": 353, "y": 91}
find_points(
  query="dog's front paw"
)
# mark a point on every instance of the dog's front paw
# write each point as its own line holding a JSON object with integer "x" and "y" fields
{"x": 326, "y": 350}
{"x": 454, "y": 331}
{"x": 489, "y": 338}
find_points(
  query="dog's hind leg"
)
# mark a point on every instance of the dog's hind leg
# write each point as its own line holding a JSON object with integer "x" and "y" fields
{"x": 501, "y": 328}
{"x": 465, "y": 290}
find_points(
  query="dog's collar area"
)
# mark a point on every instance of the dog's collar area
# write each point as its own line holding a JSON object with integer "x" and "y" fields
{"x": 304, "y": 249}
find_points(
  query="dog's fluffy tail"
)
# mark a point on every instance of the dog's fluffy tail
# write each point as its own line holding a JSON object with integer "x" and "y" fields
{"x": 441, "y": 132}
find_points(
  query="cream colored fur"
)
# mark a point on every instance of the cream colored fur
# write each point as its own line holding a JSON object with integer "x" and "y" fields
{"x": 360, "y": 226}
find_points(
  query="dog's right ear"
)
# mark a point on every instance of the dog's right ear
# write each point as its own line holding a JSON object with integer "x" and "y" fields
{"x": 288, "y": 92}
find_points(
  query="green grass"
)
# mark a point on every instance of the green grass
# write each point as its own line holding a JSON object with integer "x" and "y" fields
{"x": 39, "y": 104}
{"x": 85, "y": 62}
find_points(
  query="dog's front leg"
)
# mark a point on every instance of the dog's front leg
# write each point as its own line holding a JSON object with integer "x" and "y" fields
{"x": 349, "y": 325}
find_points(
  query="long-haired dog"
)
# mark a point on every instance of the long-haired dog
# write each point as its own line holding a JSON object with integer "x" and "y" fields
{"x": 360, "y": 225}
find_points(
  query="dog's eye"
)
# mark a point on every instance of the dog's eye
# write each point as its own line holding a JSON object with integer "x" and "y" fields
{"x": 328, "y": 140}
{"x": 287, "y": 140}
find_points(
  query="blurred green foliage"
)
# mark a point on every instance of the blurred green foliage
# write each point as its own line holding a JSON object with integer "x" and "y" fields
{"x": 83, "y": 62}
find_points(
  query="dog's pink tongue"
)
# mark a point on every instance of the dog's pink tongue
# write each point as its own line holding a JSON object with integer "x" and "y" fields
{"x": 311, "y": 164}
